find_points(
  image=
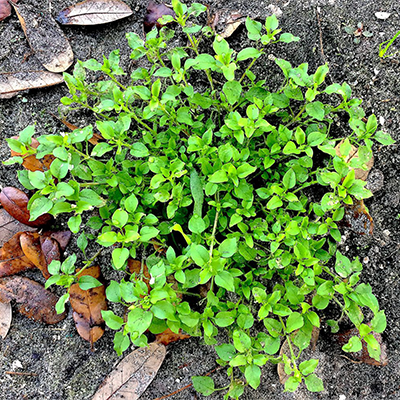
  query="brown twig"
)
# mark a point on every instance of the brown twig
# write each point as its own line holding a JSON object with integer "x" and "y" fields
{"x": 187, "y": 386}
{"x": 20, "y": 373}
{"x": 321, "y": 46}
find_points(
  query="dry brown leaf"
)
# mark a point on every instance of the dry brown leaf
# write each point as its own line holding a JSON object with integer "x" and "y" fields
{"x": 62, "y": 237}
{"x": 168, "y": 337}
{"x": 31, "y": 162}
{"x": 10, "y": 226}
{"x": 359, "y": 173}
{"x": 5, "y": 9}
{"x": 15, "y": 202}
{"x": 87, "y": 306}
{"x": 154, "y": 13}
{"x": 12, "y": 258}
{"x": 363, "y": 355}
{"x": 357, "y": 218}
{"x": 5, "y": 318}
{"x": 30, "y": 245}
{"x": 45, "y": 38}
{"x": 94, "y": 12}
{"x": 141, "y": 272}
{"x": 225, "y": 21}
{"x": 93, "y": 140}
{"x": 133, "y": 374}
{"x": 51, "y": 252}
{"x": 33, "y": 300}
{"x": 11, "y": 83}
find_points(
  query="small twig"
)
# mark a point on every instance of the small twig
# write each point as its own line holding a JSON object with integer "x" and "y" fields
{"x": 353, "y": 361}
{"x": 20, "y": 373}
{"x": 321, "y": 46}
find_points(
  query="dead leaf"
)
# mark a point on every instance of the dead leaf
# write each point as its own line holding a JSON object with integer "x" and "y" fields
{"x": 62, "y": 237}
{"x": 33, "y": 300}
{"x": 93, "y": 140}
{"x": 359, "y": 173}
{"x": 87, "y": 306}
{"x": 45, "y": 38}
{"x": 225, "y": 21}
{"x": 30, "y": 245}
{"x": 357, "y": 218}
{"x": 94, "y": 12}
{"x": 133, "y": 374}
{"x": 140, "y": 270}
{"x": 10, "y": 226}
{"x": 51, "y": 251}
{"x": 31, "y": 162}
{"x": 12, "y": 258}
{"x": 11, "y": 83}
{"x": 363, "y": 355}
{"x": 5, "y": 9}
{"x": 154, "y": 13}
{"x": 168, "y": 337}
{"x": 5, "y": 318}
{"x": 15, "y": 202}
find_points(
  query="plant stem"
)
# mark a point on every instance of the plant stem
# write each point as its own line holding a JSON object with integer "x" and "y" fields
{"x": 213, "y": 232}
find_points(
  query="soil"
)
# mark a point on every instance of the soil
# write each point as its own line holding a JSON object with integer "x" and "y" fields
{"x": 62, "y": 363}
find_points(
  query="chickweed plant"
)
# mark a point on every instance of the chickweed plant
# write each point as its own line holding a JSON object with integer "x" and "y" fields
{"x": 239, "y": 188}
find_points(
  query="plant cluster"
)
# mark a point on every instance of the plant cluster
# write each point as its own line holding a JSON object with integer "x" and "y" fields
{"x": 240, "y": 188}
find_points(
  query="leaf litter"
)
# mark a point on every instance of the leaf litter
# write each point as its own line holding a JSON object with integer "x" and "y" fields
{"x": 5, "y": 9}
{"x": 5, "y": 318}
{"x": 10, "y": 226}
{"x": 94, "y": 12}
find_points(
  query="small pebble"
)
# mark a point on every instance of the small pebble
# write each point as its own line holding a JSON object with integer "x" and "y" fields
{"x": 382, "y": 15}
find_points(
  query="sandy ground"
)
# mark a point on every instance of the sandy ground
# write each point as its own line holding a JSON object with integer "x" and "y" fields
{"x": 65, "y": 367}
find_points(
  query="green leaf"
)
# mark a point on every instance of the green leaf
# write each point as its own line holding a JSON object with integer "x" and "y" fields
{"x": 120, "y": 218}
{"x": 241, "y": 341}
{"x": 107, "y": 239}
{"x": 232, "y": 90}
{"x": 131, "y": 203}
{"x": 203, "y": 385}
{"x": 139, "y": 320}
{"x": 313, "y": 383}
{"x": 74, "y": 223}
{"x": 289, "y": 179}
{"x": 307, "y": 367}
{"x": 147, "y": 233}
{"x": 139, "y": 150}
{"x": 316, "y": 110}
{"x": 87, "y": 282}
{"x": 353, "y": 345}
{"x": 60, "y": 305}
{"x": 225, "y": 279}
{"x": 228, "y": 247}
{"x": 199, "y": 254}
{"x": 253, "y": 374}
{"x": 196, "y": 224}
{"x": 274, "y": 202}
{"x": 378, "y": 323}
{"x": 119, "y": 257}
{"x": 248, "y": 52}
{"x": 219, "y": 177}
{"x": 384, "y": 138}
{"x": 294, "y": 321}
{"x": 245, "y": 170}
{"x": 41, "y": 205}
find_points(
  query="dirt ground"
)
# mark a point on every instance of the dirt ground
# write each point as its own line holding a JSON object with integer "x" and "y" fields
{"x": 65, "y": 367}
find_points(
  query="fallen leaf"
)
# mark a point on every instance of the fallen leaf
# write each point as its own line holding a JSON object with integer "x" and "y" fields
{"x": 363, "y": 355}
{"x": 45, "y": 38}
{"x": 31, "y": 162}
{"x": 359, "y": 173}
{"x": 141, "y": 272}
{"x": 15, "y": 202}
{"x": 154, "y": 13}
{"x": 33, "y": 300}
{"x": 133, "y": 374}
{"x": 168, "y": 337}
{"x": 51, "y": 251}
{"x": 10, "y": 226}
{"x": 94, "y": 12}
{"x": 93, "y": 140}
{"x": 357, "y": 218}
{"x": 5, "y": 318}
{"x": 11, "y": 83}
{"x": 224, "y": 22}
{"x": 62, "y": 237}
{"x": 12, "y": 258}
{"x": 30, "y": 245}
{"x": 87, "y": 306}
{"x": 5, "y": 9}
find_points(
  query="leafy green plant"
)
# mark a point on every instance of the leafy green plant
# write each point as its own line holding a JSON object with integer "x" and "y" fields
{"x": 241, "y": 187}
{"x": 384, "y": 46}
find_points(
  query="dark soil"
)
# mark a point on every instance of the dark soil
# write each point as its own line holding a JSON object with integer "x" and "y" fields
{"x": 65, "y": 367}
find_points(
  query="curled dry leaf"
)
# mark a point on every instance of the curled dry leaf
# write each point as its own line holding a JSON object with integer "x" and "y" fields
{"x": 140, "y": 270}
{"x": 15, "y": 202}
{"x": 94, "y": 12}
{"x": 10, "y": 226}
{"x": 12, "y": 258}
{"x": 51, "y": 251}
{"x": 154, "y": 13}
{"x": 133, "y": 374}
{"x": 363, "y": 355}
{"x": 31, "y": 162}
{"x": 87, "y": 306}
{"x": 30, "y": 245}
{"x": 224, "y": 22}
{"x": 11, "y": 83}
{"x": 45, "y": 38}
{"x": 5, "y": 9}
{"x": 357, "y": 218}
{"x": 33, "y": 300}
{"x": 168, "y": 337}
{"x": 5, "y": 318}
{"x": 62, "y": 237}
